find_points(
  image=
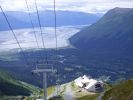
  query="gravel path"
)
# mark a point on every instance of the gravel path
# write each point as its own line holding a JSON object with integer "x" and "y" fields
{"x": 100, "y": 96}
{"x": 68, "y": 95}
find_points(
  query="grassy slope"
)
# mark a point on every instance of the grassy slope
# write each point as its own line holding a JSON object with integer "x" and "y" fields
{"x": 88, "y": 97}
{"x": 12, "y": 87}
{"x": 50, "y": 90}
{"x": 122, "y": 91}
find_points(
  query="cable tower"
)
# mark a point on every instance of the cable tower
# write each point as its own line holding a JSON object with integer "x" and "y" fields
{"x": 43, "y": 68}
{"x": 56, "y": 49}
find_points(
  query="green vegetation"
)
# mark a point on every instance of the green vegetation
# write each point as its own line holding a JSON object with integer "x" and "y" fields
{"x": 88, "y": 97}
{"x": 107, "y": 86}
{"x": 122, "y": 91}
{"x": 11, "y": 87}
{"x": 74, "y": 87}
{"x": 56, "y": 99}
{"x": 50, "y": 90}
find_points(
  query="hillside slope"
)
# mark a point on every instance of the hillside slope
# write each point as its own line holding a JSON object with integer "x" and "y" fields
{"x": 112, "y": 33}
{"x": 122, "y": 91}
{"x": 11, "y": 87}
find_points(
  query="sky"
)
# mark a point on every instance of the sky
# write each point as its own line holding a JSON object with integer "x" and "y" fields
{"x": 89, "y": 6}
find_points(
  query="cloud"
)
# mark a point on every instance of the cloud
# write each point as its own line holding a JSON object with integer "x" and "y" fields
{"x": 93, "y": 6}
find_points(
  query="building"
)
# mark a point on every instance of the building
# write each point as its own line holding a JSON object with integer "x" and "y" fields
{"x": 89, "y": 84}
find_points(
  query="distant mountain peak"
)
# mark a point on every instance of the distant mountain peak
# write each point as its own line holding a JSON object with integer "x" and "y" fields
{"x": 120, "y": 10}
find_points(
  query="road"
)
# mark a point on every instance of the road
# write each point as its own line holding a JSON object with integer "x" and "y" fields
{"x": 68, "y": 95}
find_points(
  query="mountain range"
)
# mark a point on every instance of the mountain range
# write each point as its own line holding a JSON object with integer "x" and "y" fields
{"x": 21, "y": 20}
{"x": 112, "y": 33}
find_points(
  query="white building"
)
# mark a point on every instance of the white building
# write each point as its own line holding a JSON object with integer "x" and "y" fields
{"x": 89, "y": 84}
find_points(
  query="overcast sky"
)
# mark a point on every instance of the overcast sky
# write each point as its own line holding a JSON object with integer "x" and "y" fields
{"x": 90, "y": 6}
